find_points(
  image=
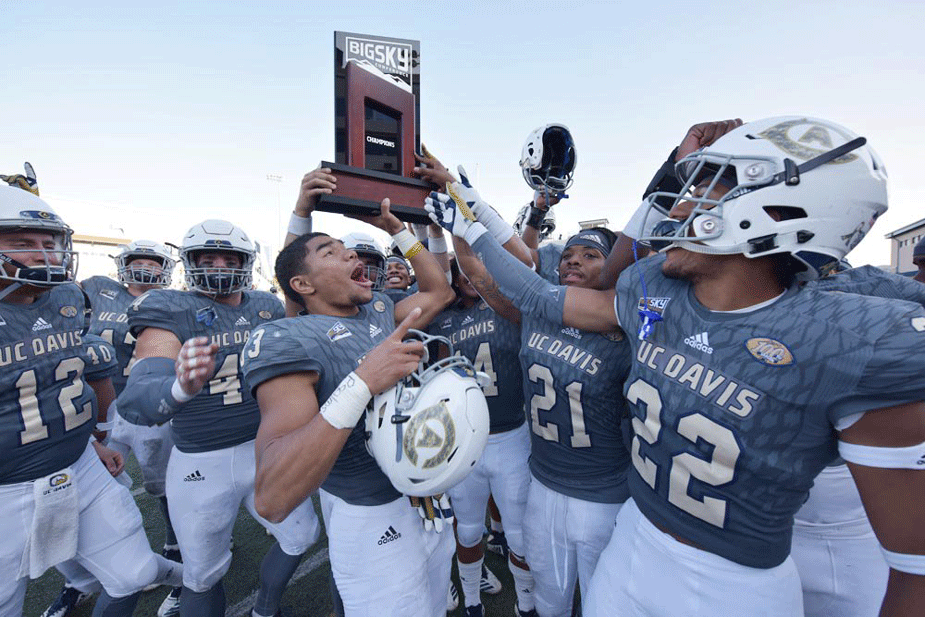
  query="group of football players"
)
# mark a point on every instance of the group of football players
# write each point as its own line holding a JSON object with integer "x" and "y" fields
{"x": 648, "y": 409}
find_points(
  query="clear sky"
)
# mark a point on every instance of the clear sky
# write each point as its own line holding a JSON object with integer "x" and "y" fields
{"x": 182, "y": 108}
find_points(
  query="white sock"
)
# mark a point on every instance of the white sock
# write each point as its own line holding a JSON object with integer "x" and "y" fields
{"x": 523, "y": 585}
{"x": 470, "y": 576}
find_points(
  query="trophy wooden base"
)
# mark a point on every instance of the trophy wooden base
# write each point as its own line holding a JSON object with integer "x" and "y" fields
{"x": 360, "y": 191}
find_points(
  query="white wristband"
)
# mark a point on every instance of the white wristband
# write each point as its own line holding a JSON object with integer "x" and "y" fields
{"x": 474, "y": 232}
{"x": 500, "y": 229}
{"x": 346, "y": 405}
{"x": 300, "y": 225}
{"x": 407, "y": 243}
{"x": 178, "y": 393}
{"x": 437, "y": 245}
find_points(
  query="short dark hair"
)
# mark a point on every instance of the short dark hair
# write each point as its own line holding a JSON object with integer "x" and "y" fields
{"x": 290, "y": 262}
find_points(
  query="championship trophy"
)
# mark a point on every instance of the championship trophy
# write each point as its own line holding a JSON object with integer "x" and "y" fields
{"x": 377, "y": 124}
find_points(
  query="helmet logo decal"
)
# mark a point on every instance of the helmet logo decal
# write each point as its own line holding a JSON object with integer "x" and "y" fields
{"x": 854, "y": 238}
{"x": 806, "y": 132}
{"x": 430, "y": 434}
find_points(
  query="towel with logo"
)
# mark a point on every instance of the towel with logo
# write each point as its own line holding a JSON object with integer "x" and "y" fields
{"x": 53, "y": 536}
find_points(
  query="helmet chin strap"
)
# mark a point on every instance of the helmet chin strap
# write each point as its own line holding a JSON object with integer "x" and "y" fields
{"x": 39, "y": 277}
{"x": 9, "y": 289}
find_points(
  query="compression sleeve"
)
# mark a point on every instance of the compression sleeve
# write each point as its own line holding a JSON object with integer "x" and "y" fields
{"x": 529, "y": 292}
{"x": 147, "y": 397}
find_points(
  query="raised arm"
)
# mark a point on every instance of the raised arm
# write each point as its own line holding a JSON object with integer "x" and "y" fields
{"x": 483, "y": 282}
{"x": 431, "y": 169}
{"x": 586, "y": 309}
{"x": 884, "y": 452}
{"x": 315, "y": 183}
{"x": 434, "y": 292}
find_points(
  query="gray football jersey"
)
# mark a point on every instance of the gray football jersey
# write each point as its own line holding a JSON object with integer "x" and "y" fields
{"x": 47, "y": 410}
{"x": 734, "y": 413}
{"x": 110, "y": 301}
{"x": 397, "y": 295}
{"x": 573, "y": 388}
{"x": 224, "y": 414}
{"x": 549, "y": 254}
{"x": 491, "y": 343}
{"x": 100, "y": 358}
{"x": 331, "y": 347}
{"x": 872, "y": 281}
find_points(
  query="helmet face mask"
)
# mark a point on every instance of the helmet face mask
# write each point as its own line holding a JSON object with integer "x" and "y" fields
{"x": 548, "y": 159}
{"x": 427, "y": 431}
{"x": 22, "y": 212}
{"x": 130, "y": 272}
{"x": 214, "y": 236}
{"x": 369, "y": 251}
{"x": 796, "y": 186}
{"x": 547, "y": 226}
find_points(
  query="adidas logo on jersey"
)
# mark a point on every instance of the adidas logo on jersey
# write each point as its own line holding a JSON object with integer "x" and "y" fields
{"x": 194, "y": 477}
{"x": 390, "y": 535}
{"x": 374, "y": 330}
{"x": 242, "y": 321}
{"x": 40, "y": 324}
{"x": 700, "y": 342}
{"x": 572, "y": 332}
{"x": 467, "y": 320}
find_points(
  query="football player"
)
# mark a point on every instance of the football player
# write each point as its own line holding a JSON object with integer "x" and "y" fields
{"x": 101, "y": 366}
{"x": 214, "y": 418}
{"x": 140, "y": 266}
{"x": 578, "y": 461}
{"x": 491, "y": 342}
{"x": 744, "y": 385}
{"x": 313, "y": 376}
{"x": 57, "y": 501}
{"x": 842, "y": 570}
{"x": 397, "y": 273}
{"x": 918, "y": 260}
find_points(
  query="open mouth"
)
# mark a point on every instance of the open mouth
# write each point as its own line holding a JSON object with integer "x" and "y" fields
{"x": 573, "y": 275}
{"x": 359, "y": 275}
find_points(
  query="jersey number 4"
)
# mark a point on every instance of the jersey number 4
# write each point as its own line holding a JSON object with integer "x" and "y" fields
{"x": 34, "y": 428}
{"x": 717, "y": 470}
{"x": 227, "y": 381}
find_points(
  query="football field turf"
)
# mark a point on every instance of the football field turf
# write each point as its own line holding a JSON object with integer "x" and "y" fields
{"x": 307, "y": 594}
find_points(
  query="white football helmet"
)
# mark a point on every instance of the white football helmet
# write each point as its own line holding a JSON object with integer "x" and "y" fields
{"x": 145, "y": 275}
{"x": 546, "y": 227}
{"x": 366, "y": 246}
{"x": 217, "y": 236}
{"x": 798, "y": 186}
{"x": 548, "y": 159}
{"x": 21, "y": 210}
{"x": 428, "y": 431}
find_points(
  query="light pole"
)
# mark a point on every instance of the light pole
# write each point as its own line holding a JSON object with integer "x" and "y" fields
{"x": 278, "y": 180}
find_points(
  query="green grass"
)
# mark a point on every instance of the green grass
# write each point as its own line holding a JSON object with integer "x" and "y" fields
{"x": 306, "y": 595}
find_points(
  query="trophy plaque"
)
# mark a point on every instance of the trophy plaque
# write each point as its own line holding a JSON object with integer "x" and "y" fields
{"x": 377, "y": 124}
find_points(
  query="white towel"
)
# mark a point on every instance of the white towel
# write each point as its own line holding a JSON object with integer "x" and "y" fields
{"x": 54, "y": 523}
